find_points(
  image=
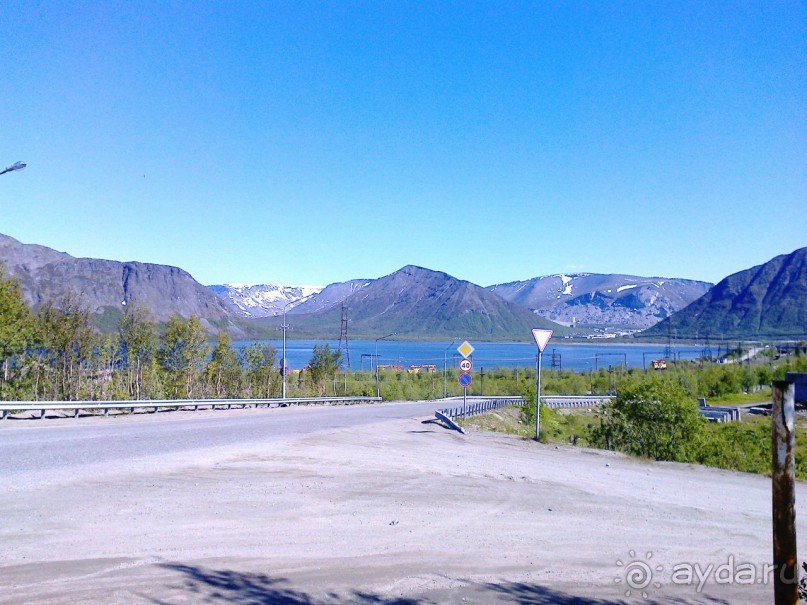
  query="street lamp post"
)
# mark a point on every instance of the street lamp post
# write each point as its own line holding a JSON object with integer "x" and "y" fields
{"x": 13, "y": 167}
{"x": 445, "y": 369}
{"x": 284, "y": 364}
{"x": 377, "y": 382}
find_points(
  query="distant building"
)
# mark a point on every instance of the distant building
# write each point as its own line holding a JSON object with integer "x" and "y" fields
{"x": 390, "y": 366}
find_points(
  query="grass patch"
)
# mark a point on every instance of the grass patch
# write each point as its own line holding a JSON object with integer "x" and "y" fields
{"x": 505, "y": 420}
{"x": 743, "y": 446}
{"x": 557, "y": 426}
{"x": 761, "y": 396}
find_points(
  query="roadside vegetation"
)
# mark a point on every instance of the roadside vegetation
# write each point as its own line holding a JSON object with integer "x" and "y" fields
{"x": 654, "y": 416}
{"x": 56, "y": 354}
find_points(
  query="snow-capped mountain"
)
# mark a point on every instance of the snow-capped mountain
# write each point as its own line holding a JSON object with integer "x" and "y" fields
{"x": 332, "y": 295}
{"x": 264, "y": 300}
{"x": 597, "y": 299}
{"x": 414, "y": 302}
{"x": 569, "y": 299}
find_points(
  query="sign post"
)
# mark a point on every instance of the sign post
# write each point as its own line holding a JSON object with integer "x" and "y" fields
{"x": 541, "y": 339}
{"x": 465, "y": 379}
{"x": 786, "y": 394}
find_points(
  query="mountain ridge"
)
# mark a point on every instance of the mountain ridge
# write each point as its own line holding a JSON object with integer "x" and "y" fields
{"x": 107, "y": 286}
{"x": 767, "y": 300}
{"x": 263, "y": 300}
{"x": 415, "y": 302}
{"x": 596, "y": 299}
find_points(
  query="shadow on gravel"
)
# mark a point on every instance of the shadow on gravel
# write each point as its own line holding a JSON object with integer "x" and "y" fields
{"x": 216, "y": 586}
{"x": 533, "y": 594}
{"x": 223, "y": 587}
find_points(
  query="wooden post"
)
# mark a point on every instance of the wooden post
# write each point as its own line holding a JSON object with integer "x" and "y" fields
{"x": 783, "y": 439}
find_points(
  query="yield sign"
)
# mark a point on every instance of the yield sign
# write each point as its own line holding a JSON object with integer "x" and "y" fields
{"x": 541, "y": 338}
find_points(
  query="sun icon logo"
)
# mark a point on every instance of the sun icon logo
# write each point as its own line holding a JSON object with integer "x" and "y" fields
{"x": 638, "y": 574}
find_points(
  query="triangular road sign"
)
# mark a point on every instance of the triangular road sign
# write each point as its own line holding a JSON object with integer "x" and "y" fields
{"x": 541, "y": 338}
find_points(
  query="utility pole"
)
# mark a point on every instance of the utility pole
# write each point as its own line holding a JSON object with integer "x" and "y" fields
{"x": 556, "y": 361}
{"x": 343, "y": 335}
{"x": 377, "y": 381}
{"x": 284, "y": 364}
{"x": 445, "y": 369}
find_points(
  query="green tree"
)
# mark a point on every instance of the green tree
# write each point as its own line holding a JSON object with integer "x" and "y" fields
{"x": 260, "y": 378}
{"x": 137, "y": 334}
{"x": 16, "y": 332}
{"x": 650, "y": 417}
{"x": 182, "y": 356}
{"x": 224, "y": 372}
{"x": 67, "y": 340}
{"x": 323, "y": 367}
{"x": 106, "y": 362}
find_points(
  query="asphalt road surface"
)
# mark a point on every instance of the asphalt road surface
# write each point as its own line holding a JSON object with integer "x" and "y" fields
{"x": 40, "y": 450}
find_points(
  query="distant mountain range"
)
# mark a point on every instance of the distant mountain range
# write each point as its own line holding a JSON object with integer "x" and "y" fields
{"x": 414, "y": 302}
{"x": 268, "y": 300}
{"x": 263, "y": 300}
{"x": 331, "y": 296}
{"x": 584, "y": 300}
{"x": 766, "y": 301}
{"x": 591, "y": 299}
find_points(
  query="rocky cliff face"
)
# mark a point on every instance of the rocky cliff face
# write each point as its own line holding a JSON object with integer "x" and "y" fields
{"x": 107, "y": 287}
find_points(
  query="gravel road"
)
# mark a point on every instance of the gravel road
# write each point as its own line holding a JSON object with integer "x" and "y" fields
{"x": 373, "y": 506}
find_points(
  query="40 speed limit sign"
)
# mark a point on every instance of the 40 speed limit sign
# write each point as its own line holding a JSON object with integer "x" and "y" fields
{"x": 465, "y": 365}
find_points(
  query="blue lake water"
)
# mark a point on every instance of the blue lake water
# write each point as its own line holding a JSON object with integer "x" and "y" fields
{"x": 579, "y": 357}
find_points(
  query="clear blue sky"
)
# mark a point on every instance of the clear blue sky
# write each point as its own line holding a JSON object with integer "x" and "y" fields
{"x": 296, "y": 142}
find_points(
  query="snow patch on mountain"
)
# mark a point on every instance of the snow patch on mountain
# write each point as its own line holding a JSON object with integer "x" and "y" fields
{"x": 264, "y": 300}
{"x": 567, "y": 284}
{"x": 598, "y": 299}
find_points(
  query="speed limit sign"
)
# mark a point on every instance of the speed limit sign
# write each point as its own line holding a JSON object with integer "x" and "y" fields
{"x": 466, "y": 365}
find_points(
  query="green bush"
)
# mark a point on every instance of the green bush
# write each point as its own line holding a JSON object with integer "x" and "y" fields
{"x": 652, "y": 416}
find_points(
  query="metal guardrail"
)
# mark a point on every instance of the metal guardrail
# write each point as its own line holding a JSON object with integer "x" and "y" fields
{"x": 17, "y": 407}
{"x": 474, "y": 407}
{"x": 717, "y": 414}
{"x": 575, "y": 401}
